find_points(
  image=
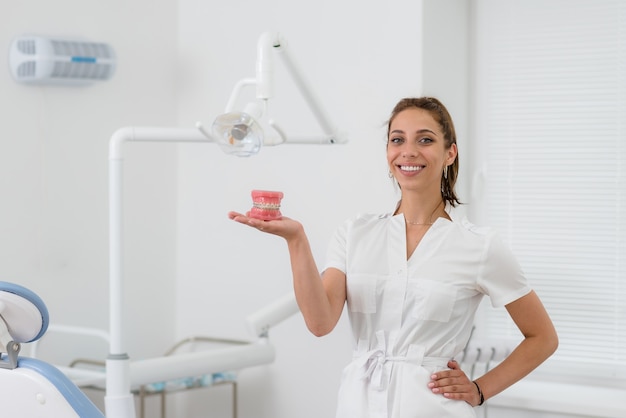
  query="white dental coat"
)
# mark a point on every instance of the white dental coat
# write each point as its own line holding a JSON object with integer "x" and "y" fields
{"x": 409, "y": 317}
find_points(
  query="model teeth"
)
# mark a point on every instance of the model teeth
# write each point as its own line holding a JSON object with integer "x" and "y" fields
{"x": 410, "y": 168}
{"x": 266, "y": 206}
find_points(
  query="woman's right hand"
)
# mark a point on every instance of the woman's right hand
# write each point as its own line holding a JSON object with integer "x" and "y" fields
{"x": 284, "y": 227}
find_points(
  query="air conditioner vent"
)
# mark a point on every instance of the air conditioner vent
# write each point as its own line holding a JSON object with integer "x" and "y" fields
{"x": 26, "y": 46}
{"x": 27, "y": 69}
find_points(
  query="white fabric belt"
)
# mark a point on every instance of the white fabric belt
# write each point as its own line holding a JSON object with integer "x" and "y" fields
{"x": 372, "y": 362}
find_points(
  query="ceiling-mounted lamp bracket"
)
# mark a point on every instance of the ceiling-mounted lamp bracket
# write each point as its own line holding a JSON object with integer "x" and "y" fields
{"x": 231, "y": 129}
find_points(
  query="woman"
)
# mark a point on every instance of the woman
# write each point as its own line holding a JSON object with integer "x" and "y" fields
{"x": 413, "y": 280}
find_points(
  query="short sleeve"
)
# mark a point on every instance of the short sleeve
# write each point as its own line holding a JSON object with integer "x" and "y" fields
{"x": 336, "y": 253}
{"x": 501, "y": 278}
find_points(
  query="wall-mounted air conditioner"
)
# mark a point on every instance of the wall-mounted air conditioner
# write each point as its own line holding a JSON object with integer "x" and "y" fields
{"x": 46, "y": 60}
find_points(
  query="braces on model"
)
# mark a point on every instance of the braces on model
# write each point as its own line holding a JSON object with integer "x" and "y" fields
{"x": 269, "y": 206}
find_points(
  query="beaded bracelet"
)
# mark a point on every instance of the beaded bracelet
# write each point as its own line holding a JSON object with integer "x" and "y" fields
{"x": 480, "y": 393}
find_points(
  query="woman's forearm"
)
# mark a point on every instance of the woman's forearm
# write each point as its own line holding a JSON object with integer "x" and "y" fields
{"x": 319, "y": 309}
{"x": 540, "y": 342}
{"x": 528, "y": 355}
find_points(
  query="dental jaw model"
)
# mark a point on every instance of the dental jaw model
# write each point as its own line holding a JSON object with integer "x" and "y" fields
{"x": 265, "y": 205}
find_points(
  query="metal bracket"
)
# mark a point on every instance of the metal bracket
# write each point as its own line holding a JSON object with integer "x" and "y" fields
{"x": 10, "y": 362}
{"x": 7, "y": 345}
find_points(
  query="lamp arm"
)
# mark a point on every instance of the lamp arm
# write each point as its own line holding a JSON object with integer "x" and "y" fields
{"x": 118, "y": 399}
{"x": 264, "y": 72}
{"x": 321, "y": 139}
{"x": 282, "y": 136}
{"x": 265, "y": 318}
{"x": 307, "y": 92}
{"x": 237, "y": 90}
{"x": 151, "y": 134}
{"x": 265, "y": 64}
{"x": 159, "y": 369}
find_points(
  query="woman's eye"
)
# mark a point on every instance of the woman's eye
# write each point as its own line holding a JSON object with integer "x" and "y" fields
{"x": 395, "y": 140}
{"x": 426, "y": 140}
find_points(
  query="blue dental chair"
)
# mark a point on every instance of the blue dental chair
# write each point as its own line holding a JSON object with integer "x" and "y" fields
{"x": 30, "y": 387}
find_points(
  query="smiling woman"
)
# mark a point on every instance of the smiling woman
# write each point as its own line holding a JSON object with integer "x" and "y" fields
{"x": 412, "y": 280}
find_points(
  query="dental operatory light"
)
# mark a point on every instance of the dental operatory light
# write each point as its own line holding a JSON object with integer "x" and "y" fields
{"x": 240, "y": 133}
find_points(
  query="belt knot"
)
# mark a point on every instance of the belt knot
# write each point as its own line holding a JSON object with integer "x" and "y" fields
{"x": 372, "y": 363}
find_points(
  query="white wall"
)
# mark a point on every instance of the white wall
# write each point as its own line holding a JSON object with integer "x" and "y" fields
{"x": 361, "y": 58}
{"x": 53, "y": 167}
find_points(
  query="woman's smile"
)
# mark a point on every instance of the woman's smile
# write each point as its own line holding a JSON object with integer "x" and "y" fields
{"x": 410, "y": 169}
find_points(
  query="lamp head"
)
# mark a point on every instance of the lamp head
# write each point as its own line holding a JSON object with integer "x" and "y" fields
{"x": 238, "y": 133}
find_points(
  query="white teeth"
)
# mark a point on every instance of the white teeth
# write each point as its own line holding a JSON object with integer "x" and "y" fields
{"x": 410, "y": 168}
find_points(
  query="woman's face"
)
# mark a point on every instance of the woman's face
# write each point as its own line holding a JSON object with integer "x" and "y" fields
{"x": 416, "y": 151}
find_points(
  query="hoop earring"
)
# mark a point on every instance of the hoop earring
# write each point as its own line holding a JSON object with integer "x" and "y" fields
{"x": 445, "y": 172}
{"x": 389, "y": 174}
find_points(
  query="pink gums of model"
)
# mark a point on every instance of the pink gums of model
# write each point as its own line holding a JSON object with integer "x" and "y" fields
{"x": 266, "y": 205}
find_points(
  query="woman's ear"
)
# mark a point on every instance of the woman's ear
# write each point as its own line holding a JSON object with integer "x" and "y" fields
{"x": 452, "y": 153}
